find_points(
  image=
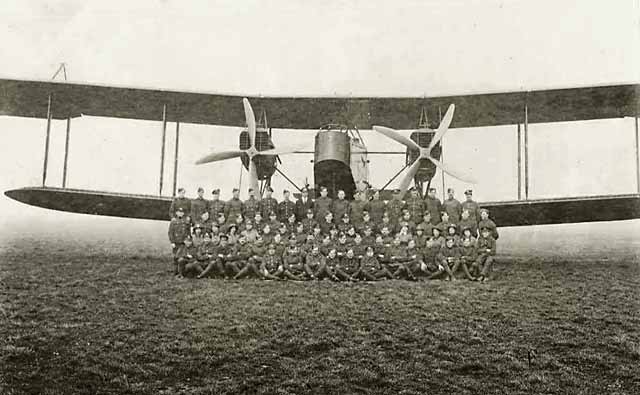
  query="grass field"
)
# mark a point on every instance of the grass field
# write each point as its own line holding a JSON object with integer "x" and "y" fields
{"x": 103, "y": 315}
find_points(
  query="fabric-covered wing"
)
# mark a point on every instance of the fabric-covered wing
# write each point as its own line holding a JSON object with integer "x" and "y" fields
{"x": 30, "y": 99}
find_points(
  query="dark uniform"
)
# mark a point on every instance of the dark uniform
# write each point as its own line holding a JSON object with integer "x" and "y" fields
{"x": 468, "y": 256}
{"x": 302, "y": 206}
{"x": 285, "y": 209}
{"x": 356, "y": 208}
{"x": 433, "y": 205}
{"x": 198, "y": 206}
{"x": 187, "y": 260}
{"x": 377, "y": 208}
{"x": 452, "y": 207}
{"x": 234, "y": 207}
{"x": 216, "y": 206}
{"x": 178, "y": 231}
{"x": 339, "y": 208}
{"x": 486, "y": 248}
{"x": 415, "y": 205}
{"x": 471, "y": 206}
{"x": 267, "y": 206}
{"x": 180, "y": 202}
{"x": 322, "y": 206}
{"x": 250, "y": 207}
{"x": 394, "y": 208}
{"x": 449, "y": 257}
{"x": 347, "y": 268}
{"x": 369, "y": 268}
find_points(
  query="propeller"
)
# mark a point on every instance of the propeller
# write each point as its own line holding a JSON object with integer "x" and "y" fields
{"x": 251, "y": 152}
{"x": 425, "y": 153}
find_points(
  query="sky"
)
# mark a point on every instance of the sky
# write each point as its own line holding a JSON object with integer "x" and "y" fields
{"x": 360, "y": 48}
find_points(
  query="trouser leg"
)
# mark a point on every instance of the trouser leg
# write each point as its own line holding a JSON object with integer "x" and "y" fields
{"x": 384, "y": 273}
{"x": 342, "y": 275}
{"x": 466, "y": 271}
{"x": 486, "y": 268}
{"x": 243, "y": 272}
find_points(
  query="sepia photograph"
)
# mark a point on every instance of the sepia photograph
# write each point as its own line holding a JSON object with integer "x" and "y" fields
{"x": 320, "y": 197}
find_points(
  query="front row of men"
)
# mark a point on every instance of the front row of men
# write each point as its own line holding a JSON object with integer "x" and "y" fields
{"x": 343, "y": 257}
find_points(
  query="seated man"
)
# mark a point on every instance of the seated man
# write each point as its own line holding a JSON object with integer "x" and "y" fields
{"x": 348, "y": 266}
{"x": 448, "y": 257}
{"x": 369, "y": 266}
{"x": 313, "y": 262}
{"x": 206, "y": 252}
{"x": 468, "y": 256}
{"x": 244, "y": 265}
{"x": 485, "y": 222}
{"x": 486, "y": 247}
{"x": 293, "y": 266}
{"x": 271, "y": 266}
{"x": 218, "y": 263}
{"x": 401, "y": 259}
{"x": 326, "y": 269}
{"x": 187, "y": 259}
{"x": 431, "y": 266}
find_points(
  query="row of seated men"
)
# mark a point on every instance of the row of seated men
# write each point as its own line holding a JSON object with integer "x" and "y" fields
{"x": 296, "y": 211}
{"x": 403, "y": 251}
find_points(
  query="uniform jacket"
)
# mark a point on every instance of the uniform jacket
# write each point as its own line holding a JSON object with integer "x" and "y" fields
{"x": 198, "y": 206}
{"x": 394, "y": 208}
{"x": 434, "y": 207}
{"x": 349, "y": 265}
{"x": 453, "y": 208}
{"x": 250, "y": 207}
{"x": 285, "y": 209}
{"x": 178, "y": 202}
{"x": 370, "y": 263}
{"x": 314, "y": 261}
{"x": 376, "y": 210}
{"x": 488, "y": 223}
{"x": 308, "y": 225}
{"x": 322, "y": 206}
{"x": 449, "y": 254}
{"x": 469, "y": 223}
{"x": 178, "y": 230}
{"x": 268, "y": 205}
{"x": 187, "y": 252}
{"x": 469, "y": 253}
{"x": 356, "y": 208}
{"x": 233, "y": 208}
{"x": 302, "y": 207}
{"x": 486, "y": 246}
{"x": 271, "y": 262}
{"x": 415, "y": 205}
{"x": 206, "y": 251}
{"x": 216, "y": 207}
{"x": 473, "y": 208}
{"x": 339, "y": 208}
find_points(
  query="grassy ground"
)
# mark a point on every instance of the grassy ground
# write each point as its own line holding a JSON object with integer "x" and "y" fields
{"x": 109, "y": 319}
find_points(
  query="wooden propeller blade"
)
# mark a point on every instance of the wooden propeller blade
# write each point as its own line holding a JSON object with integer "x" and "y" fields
{"x": 251, "y": 120}
{"x": 444, "y": 126}
{"x": 280, "y": 151}
{"x": 394, "y": 135}
{"x": 453, "y": 173}
{"x": 217, "y": 156}
{"x": 406, "y": 181}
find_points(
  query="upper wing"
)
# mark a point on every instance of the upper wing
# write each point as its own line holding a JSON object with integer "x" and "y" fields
{"x": 30, "y": 99}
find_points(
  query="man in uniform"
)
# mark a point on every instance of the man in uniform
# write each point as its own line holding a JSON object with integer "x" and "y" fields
{"x": 468, "y": 222}
{"x": 415, "y": 204}
{"x": 486, "y": 249}
{"x": 286, "y": 208}
{"x": 303, "y": 205}
{"x": 199, "y": 205}
{"x": 471, "y": 206}
{"x": 433, "y": 206}
{"x": 487, "y": 223}
{"x": 182, "y": 202}
{"x": 395, "y": 207}
{"x": 216, "y": 206}
{"x": 178, "y": 231}
{"x": 251, "y": 206}
{"x": 187, "y": 258}
{"x": 452, "y": 206}
{"x": 234, "y": 206}
{"x": 340, "y": 206}
{"x": 322, "y": 205}
{"x": 357, "y": 208}
{"x": 377, "y": 208}
{"x": 309, "y": 222}
{"x": 268, "y": 203}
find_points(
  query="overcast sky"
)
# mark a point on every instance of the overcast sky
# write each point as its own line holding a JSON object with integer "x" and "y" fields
{"x": 331, "y": 47}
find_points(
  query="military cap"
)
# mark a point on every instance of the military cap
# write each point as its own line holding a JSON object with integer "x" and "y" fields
{"x": 432, "y": 189}
{"x": 188, "y": 237}
{"x": 269, "y": 189}
{"x": 272, "y": 213}
{"x": 181, "y": 189}
{"x": 224, "y": 237}
{"x": 198, "y": 226}
{"x": 454, "y": 226}
{"x": 309, "y": 211}
{"x": 397, "y": 190}
{"x": 323, "y": 188}
{"x": 236, "y": 190}
{"x": 450, "y": 190}
{"x": 420, "y": 227}
{"x": 250, "y": 190}
{"x": 285, "y": 191}
{"x": 485, "y": 210}
{"x": 345, "y": 215}
{"x": 180, "y": 209}
{"x": 271, "y": 246}
{"x": 215, "y": 191}
{"x": 468, "y": 192}
{"x": 485, "y": 228}
{"x": 412, "y": 189}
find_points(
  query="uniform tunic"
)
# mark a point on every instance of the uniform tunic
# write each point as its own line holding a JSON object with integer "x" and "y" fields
{"x": 394, "y": 208}
{"x": 268, "y": 205}
{"x": 452, "y": 207}
{"x": 233, "y": 208}
{"x": 339, "y": 208}
{"x": 489, "y": 224}
{"x": 178, "y": 230}
{"x": 250, "y": 207}
{"x": 322, "y": 206}
{"x": 198, "y": 206}
{"x": 216, "y": 207}
{"x": 302, "y": 205}
{"x": 433, "y": 206}
{"x": 377, "y": 208}
{"x": 415, "y": 205}
{"x": 473, "y": 208}
{"x": 178, "y": 202}
{"x": 356, "y": 208}
{"x": 285, "y": 209}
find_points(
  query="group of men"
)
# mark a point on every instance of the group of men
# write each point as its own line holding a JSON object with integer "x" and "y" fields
{"x": 365, "y": 239}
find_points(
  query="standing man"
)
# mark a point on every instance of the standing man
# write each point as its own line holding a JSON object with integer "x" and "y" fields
{"x": 251, "y": 206}
{"x": 234, "y": 206}
{"x": 395, "y": 207}
{"x": 433, "y": 206}
{"x": 268, "y": 203}
{"x": 323, "y": 204}
{"x": 216, "y": 206}
{"x": 452, "y": 206}
{"x": 303, "y": 205}
{"x": 199, "y": 205}
{"x": 182, "y": 202}
{"x": 340, "y": 206}
{"x": 286, "y": 207}
{"x": 471, "y": 206}
{"x": 377, "y": 207}
{"x": 178, "y": 231}
{"x": 415, "y": 205}
{"x": 357, "y": 208}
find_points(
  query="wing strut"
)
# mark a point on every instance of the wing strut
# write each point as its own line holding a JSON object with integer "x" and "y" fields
{"x": 46, "y": 141}
{"x": 66, "y": 153}
{"x": 164, "y": 138}
{"x": 175, "y": 158}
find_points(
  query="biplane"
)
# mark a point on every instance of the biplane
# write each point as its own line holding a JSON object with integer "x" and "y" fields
{"x": 340, "y": 155}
